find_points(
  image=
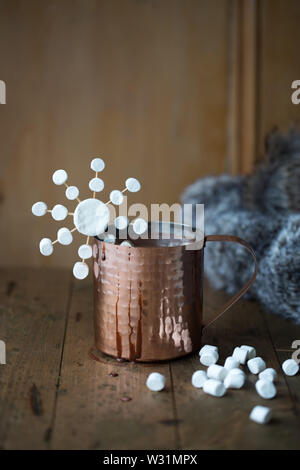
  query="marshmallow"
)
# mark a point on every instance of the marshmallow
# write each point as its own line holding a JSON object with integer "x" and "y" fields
{"x": 290, "y": 367}
{"x": 207, "y": 347}
{"x": 121, "y": 222}
{"x": 59, "y": 212}
{"x": 133, "y": 185}
{"x": 59, "y": 177}
{"x": 209, "y": 357}
{"x": 261, "y": 414}
{"x": 91, "y": 217}
{"x": 216, "y": 372}
{"x": 72, "y": 192}
{"x": 109, "y": 238}
{"x": 126, "y": 243}
{"x": 231, "y": 363}
{"x": 64, "y": 236}
{"x": 46, "y": 247}
{"x": 85, "y": 251}
{"x": 251, "y": 352}
{"x": 265, "y": 388}
{"x": 235, "y": 379}
{"x": 237, "y": 371}
{"x": 214, "y": 387}
{"x": 240, "y": 355}
{"x": 96, "y": 185}
{"x": 256, "y": 365}
{"x": 116, "y": 197}
{"x": 199, "y": 378}
{"x": 97, "y": 165}
{"x": 155, "y": 382}
{"x": 268, "y": 374}
{"x": 139, "y": 226}
{"x": 80, "y": 270}
{"x": 39, "y": 209}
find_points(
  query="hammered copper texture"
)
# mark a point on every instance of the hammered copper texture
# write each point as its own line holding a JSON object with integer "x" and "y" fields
{"x": 148, "y": 301}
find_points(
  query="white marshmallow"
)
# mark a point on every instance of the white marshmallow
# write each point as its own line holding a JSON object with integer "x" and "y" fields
{"x": 139, "y": 226}
{"x": 96, "y": 185}
{"x": 261, "y": 414}
{"x": 85, "y": 251}
{"x": 265, "y": 388}
{"x": 126, "y": 243}
{"x": 91, "y": 217}
{"x": 121, "y": 222}
{"x": 290, "y": 367}
{"x": 72, "y": 192}
{"x": 256, "y": 365}
{"x": 39, "y": 208}
{"x": 237, "y": 371}
{"x": 209, "y": 357}
{"x": 80, "y": 270}
{"x": 216, "y": 372}
{"x": 235, "y": 379}
{"x": 59, "y": 177}
{"x": 207, "y": 347}
{"x": 116, "y": 197}
{"x": 46, "y": 247}
{"x": 155, "y": 382}
{"x": 64, "y": 236}
{"x": 231, "y": 363}
{"x": 251, "y": 352}
{"x": 214, "y": 387}
{"x": 97, "y": 164}
{"x": 240, "y": 355}
{"x": 133, "y": 185}
{"x": 59, "y": 212}
{"x": 199, "y": 378}
{"x": 109, "y": 238}
{"x": 268, "y": 374}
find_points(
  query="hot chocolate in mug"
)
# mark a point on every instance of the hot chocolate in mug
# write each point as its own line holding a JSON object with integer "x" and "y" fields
{"x": 148, "y": 298}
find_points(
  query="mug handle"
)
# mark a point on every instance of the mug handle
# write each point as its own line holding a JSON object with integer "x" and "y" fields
{"x": 232, "y": 238}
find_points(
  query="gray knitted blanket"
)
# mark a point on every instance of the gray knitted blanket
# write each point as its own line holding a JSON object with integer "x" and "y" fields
{"x": 264, "y": 209}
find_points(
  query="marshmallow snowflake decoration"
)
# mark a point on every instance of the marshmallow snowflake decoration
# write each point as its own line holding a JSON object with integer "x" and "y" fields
{"x": 91, "y": 216}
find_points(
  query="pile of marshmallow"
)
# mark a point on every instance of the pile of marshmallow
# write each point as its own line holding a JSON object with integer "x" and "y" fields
{"x": 217, "y": 379}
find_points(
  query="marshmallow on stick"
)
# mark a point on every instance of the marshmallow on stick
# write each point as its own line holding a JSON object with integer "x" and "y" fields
{"x": 91, "y": 216}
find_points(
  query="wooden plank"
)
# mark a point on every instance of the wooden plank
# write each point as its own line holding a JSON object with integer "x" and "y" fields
{"x": 207, "y": 422}
{"x": 141, "y": 82}
{"x": 234, "y": 87}
{"x": 279, "y": 65}
{"x": 33, "y": 307}
{"x": 91, "y": 411}
{"x": 263, "y": 62}
{"x": 242, "y": 118}
{"x": 250, "y": 90}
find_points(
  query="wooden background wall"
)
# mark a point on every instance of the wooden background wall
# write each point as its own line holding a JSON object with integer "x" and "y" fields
{"x": 165, "y": 90}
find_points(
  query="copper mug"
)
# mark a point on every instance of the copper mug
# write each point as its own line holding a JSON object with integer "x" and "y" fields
{"x": 148, "y": 298}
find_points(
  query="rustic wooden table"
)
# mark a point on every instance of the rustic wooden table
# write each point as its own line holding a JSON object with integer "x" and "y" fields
{"x": 57, "y": 393}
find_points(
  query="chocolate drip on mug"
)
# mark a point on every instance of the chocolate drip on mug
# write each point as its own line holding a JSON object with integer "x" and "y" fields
{"x": 118, "y": 336}
{"x": 198, "y": 302}
{"x": 130, "y": 344}
{"x": 138, "y": 347}
{"x": 103, "y": 257}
